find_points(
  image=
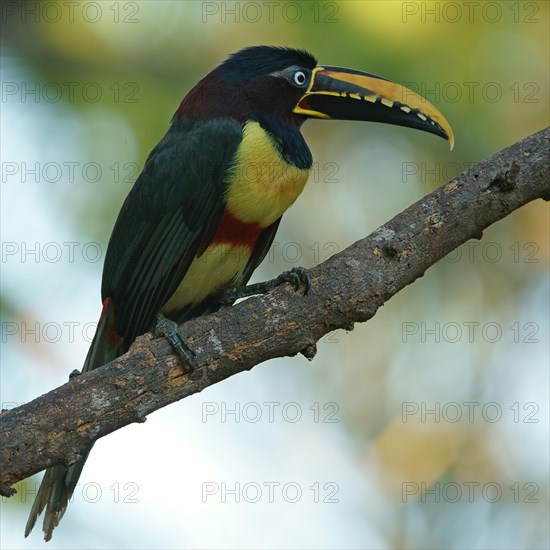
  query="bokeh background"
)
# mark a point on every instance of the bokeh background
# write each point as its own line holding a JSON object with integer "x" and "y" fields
{"x": 426, "y": 427}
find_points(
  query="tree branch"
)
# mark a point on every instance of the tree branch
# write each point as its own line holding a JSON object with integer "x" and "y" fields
{"x": 347, "y": 288}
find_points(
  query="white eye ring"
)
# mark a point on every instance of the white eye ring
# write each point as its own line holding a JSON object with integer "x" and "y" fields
{"x": 299, "y": 78}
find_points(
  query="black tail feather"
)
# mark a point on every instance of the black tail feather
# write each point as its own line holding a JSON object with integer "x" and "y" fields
{"x": 59, "y": 481}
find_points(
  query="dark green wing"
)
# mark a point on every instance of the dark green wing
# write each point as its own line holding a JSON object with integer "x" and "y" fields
{"x": 260, "y": 250}
{"x": 176, "y": 203}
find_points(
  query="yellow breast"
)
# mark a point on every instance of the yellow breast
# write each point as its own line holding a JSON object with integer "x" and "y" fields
{"x": 261, "y": 187}
{"x": 220, "y": 266}
{"x": 261, "y": 184}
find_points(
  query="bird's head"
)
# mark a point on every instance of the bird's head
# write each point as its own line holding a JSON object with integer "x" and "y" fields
{"x": 288, "y": 86}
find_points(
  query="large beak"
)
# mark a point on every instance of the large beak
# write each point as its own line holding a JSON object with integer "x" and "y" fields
{"x": 348, "y": 94}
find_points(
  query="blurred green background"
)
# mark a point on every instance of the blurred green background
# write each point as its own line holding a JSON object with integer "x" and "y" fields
{"x": 427, "y": 427}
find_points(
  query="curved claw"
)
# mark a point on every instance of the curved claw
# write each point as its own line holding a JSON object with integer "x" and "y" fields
{"x": 169, "y": 329}
{"x": 297, "y": 277}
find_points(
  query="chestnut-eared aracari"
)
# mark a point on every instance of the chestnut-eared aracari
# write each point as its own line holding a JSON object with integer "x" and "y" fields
{"x": 203, "y": 213}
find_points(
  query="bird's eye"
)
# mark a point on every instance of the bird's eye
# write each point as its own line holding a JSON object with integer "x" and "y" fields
{"x": 299, "y": 78}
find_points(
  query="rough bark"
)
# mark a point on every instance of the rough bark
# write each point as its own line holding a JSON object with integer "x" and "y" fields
{"x": 347, "y": 288}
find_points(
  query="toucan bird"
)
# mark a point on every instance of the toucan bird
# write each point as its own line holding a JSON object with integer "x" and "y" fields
{"x": 203, "y": 213}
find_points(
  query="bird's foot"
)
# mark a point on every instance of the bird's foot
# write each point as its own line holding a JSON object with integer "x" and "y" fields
{"x": 169, "y": 329}
{"x": 297, "y": 277}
